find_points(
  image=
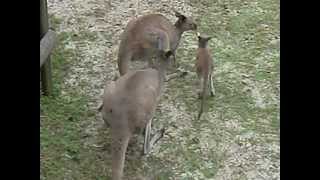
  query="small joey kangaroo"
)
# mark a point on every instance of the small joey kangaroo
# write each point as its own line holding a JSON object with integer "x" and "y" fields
{"x": 128, "y": 107}
{"x": 148, "y": 35}
{"x": 204, "y": 69}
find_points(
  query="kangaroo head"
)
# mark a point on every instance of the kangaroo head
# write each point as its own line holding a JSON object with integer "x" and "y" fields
{"x": 185, "y": 23}
{"x": 203, "y": 39}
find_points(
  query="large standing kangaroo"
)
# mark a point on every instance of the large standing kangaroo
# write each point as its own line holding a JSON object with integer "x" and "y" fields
{"x": 128, "y": 106}
{"x": 147, "y": 35}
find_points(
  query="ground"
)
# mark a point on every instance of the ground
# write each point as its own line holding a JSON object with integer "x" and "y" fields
{"x": 238, "y": 136}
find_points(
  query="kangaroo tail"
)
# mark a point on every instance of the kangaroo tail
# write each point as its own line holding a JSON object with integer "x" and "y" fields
{"x": 204, "y": 95}
{"x": 119, "y": 148}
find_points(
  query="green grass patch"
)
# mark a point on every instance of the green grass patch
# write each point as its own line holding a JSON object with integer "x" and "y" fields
{"x": 242, "y": 49}
{"x": 61, "y": 147}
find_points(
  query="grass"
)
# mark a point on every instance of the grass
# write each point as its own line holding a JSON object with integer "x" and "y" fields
{"x": 63, "y": 153}
{"x": 241, "y": 39}
{"x": 244, "y": 113}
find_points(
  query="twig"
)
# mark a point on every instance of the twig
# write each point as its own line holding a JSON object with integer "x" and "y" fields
{"x": 175, "y": 75}
{"x": 97, "y": 146}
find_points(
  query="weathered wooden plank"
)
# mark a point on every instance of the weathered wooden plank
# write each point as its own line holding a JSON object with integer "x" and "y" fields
{"x": 46, "y": 68}
{"x": 44, "y": 23}
{"x": 46, "y": 79}
{"x": 47, "y": 44}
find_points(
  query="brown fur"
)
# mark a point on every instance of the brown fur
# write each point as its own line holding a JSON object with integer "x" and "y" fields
{"x": 204, "y": 69}
{"x": 128, "y": 106}
{"x": 145, "y": 36}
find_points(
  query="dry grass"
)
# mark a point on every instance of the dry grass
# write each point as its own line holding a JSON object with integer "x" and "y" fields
{"x": 238, "y": 136}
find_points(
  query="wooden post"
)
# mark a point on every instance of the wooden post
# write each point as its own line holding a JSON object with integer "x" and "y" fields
{"x": 45, "y": 70}
{"x": 47, "y": 44}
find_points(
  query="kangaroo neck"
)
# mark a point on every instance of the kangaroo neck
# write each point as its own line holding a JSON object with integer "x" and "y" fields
{"x": 178, "y": 30}
{"x": 202, "y": 45}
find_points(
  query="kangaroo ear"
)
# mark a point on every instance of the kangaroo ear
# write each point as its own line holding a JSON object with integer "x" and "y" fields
{"x": 179, "y": 15}
{"x": 208, "y": 38}
{"x": 198, "y": 35}
{"x": 176, "y": 13}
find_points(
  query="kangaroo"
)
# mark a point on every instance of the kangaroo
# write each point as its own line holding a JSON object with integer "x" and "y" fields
{"x": 128, "y": 107}
{"x": 147, "y": 35}
{"x": 204, "y": 69}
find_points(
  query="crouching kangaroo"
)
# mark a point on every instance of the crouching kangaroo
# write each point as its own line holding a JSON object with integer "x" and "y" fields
{"x": 204, "y": 69}
{"x": 148, "y": 35}
{"x": 128, "y": 107}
